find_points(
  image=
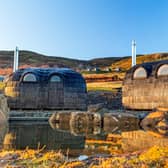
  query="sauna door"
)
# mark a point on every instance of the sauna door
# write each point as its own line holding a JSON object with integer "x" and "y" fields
{"x": 55, "y": 93}
{"x": 29, "y": 94}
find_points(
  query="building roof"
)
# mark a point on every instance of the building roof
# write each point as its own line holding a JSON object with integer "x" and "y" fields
{"x": 43, "y": 74}
{"x": 150, "y": 67}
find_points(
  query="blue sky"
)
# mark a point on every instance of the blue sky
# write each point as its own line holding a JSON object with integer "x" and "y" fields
{"x": 84, "y": 29}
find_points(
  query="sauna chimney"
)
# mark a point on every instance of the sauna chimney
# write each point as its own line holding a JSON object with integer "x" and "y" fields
{"x": 16, "y": 59}
{"x": 133, "y": 53}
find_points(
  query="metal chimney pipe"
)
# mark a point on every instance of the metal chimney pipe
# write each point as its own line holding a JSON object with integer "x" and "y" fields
{"x": 16, "y": 59}
{"x": 133, "y": 53}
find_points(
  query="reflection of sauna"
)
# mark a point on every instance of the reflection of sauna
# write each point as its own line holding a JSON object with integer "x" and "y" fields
{"x": 29, "y": 134}
{"x": 146, "y": 86}
{"x": 60, "y": 121}
{"x": 139, "y": 140}
{"x": 85, "y": 123}
{"x": 46, "y": 88}
{"x": 78, "y": 123}
{"x": 3, "y": 132}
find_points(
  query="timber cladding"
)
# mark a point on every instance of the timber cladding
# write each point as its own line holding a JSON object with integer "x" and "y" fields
{"x": 145, "y": 86}
{"x": 46, "y": 88}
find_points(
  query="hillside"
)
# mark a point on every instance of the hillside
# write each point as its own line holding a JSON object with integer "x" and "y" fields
{"x": 104, "y": 62}
{"x": 33, "y": 59}
{"x": 125, "y": 63}
{"x": 36, "y": 59}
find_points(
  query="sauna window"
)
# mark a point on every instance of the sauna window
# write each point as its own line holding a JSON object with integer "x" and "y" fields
{"x": 163, "y": 70}
{"x": 55, "y": 78}
{"x": 29, "y": 78}
{"x": 140, "y": 73}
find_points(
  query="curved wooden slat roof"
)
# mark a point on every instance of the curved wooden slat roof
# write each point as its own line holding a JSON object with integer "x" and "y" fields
{"x": 43, "y": 74}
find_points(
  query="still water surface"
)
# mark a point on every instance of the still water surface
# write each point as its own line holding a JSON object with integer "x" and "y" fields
{"x": 19, "y": 135}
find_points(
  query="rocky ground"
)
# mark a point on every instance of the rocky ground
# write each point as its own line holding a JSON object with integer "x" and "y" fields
{"x": 109, "y": 100}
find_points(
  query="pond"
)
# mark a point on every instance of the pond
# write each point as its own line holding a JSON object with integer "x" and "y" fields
{"x": 75, "y": 143}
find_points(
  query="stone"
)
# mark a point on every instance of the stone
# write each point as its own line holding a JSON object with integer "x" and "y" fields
{"x": 95, "y": 107}
{"x": 156, "y": 121}
{"x": 162, "y": 127}
{"x": 118, "y": 122}
{"x": 152, "y": 119}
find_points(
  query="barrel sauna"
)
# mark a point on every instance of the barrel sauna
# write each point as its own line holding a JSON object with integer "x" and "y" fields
{"x": 145, "y": 86}
{"x": 46, "y": 88}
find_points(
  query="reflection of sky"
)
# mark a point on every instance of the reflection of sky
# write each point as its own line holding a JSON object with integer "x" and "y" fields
{"x": 84, "y": 28}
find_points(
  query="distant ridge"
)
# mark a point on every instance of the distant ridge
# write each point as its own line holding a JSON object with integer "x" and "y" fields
{"x": 125, "y": 62}
{"x": 33, "y": 59}
{"x": 36, "y": 59}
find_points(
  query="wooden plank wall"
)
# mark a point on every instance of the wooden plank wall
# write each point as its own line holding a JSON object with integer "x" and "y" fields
{"x": 45, "y": 96}
{"x": 145, "y": 94}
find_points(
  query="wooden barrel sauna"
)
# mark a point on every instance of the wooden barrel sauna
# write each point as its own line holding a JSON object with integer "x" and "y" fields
{"x": 145, "y": 86}
{"x": 46, "y": 88}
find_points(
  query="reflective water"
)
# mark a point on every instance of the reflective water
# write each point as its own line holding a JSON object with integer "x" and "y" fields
{"x": 19, "y": 135}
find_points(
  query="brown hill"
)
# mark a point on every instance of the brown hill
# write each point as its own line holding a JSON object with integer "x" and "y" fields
{"x": 125, "y": 63}
{"x": 33, "y": 59}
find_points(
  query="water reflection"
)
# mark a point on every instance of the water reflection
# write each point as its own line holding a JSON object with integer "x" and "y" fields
{"x": 33, "y": 134}
{"x": 3, "y": 132}
{"x": 119, "y": 137}
{"x": 139, "y": 140}
{"x": 88, "y": 140}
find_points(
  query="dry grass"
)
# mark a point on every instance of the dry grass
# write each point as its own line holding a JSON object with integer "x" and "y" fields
{"x": 103, "y": 82}
{"x": 110, "y": 75}
{"x": 125, "y": 63}
{"x": 2, "y": 85}
{"x": 31, "y": 158}
{"x": 102, "y": 75}
{"x": 104, "y": 86}
{"x": 154, "y": 157}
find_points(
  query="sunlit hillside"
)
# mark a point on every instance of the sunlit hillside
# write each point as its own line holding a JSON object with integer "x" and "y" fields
{"x": 125, "y": 63}
{"x": 94, "y": 66}
{"x": 33, "y": 59}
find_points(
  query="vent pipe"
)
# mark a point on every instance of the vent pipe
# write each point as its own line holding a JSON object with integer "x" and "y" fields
{"x": 133, "y": 53}
{"x": 16, "y": 59}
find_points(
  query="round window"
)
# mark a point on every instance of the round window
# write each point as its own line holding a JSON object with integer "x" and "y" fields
{"x": 163, "y": 70}
{"x": 55, "y": 78}
{"x": 29, "y": 77}
{"x": 140, "y": 73}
